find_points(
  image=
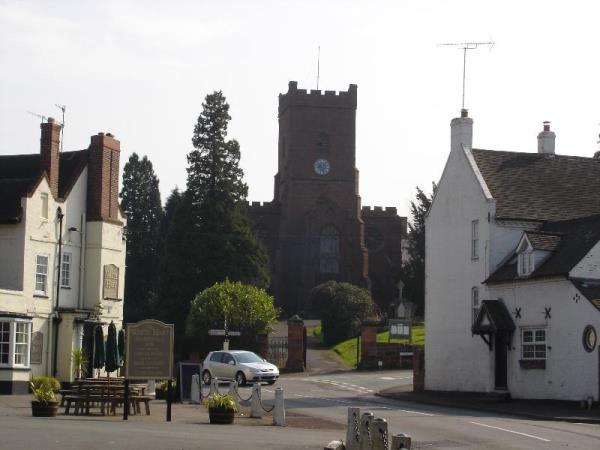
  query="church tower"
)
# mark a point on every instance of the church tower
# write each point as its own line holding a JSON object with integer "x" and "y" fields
{"x": 320, "y": 233}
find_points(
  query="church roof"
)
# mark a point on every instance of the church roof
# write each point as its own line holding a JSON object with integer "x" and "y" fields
{"x": 20, "y": 174}
{"x": 543, "y": 187}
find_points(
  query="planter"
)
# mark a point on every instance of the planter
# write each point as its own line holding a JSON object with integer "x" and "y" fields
{"x": 221, "y": 415}
{"x": 49, "y": 409}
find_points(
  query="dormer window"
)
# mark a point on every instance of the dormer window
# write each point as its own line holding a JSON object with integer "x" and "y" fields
{"x": 525, "y": 261}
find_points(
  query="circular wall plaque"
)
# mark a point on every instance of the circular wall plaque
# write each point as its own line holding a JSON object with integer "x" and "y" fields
{"x": 589, "y": 338}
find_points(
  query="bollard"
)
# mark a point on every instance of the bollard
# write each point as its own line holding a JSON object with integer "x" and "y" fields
{"x": 353, "y": 428}
{"x": 255, "y": 408}
{"x": 401, "y": 441}
{"x": 379, "y": 434}
{"x": 279, "y": 410}
{"x": 214, "y": 386}
{"x": 365, "y": 439}
{"x": 335, "y": 445}
{"x": 151, "y": 387}
{"x": 195, "y": 389}
{"x": 233, "y": 393}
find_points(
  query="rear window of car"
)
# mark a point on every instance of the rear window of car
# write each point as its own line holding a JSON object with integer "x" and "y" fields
{"x": 216, "y": 357}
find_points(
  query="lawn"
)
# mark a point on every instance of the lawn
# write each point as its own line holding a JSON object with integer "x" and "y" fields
{"x": 347, "y": 349}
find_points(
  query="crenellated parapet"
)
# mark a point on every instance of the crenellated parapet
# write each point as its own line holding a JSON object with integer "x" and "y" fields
{"x": 318, "y": 98}
{"x": 379, "y": 211}
{"x": 263, "y": 208}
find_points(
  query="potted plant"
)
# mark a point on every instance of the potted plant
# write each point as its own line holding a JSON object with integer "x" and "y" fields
{"x": 80, "y": 361}
{"x": 44, "y": 391}
{"x": 221, "y": 408}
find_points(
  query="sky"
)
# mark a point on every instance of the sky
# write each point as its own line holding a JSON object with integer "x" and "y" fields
{"x": 141, "y": 69}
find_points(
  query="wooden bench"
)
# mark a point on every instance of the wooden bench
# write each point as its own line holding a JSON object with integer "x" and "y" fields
{"x": 137, "y": 399}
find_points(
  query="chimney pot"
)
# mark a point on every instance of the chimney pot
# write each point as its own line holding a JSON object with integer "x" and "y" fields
{"x": 51, "y": 120}
{"x": 464, "y": 113}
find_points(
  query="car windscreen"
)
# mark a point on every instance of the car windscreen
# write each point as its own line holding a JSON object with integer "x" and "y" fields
{"x": 248, "y": 357}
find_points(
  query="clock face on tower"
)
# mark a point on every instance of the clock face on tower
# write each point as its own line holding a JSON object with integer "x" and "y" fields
{"x": 321, "y": 166}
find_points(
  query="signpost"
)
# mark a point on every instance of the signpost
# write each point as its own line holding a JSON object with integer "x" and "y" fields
{"x": 400, "y": 329}
{"x": 224, "y": 332}
{"x": 149, "y": 356}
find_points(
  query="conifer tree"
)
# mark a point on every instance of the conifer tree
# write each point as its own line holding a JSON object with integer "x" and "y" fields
{"x": 140, "y": 200}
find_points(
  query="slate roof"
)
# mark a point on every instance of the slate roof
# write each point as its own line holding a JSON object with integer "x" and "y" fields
{"x": 577, "y": 237}
{"x": 535, "y": 186}
{"x": 500, "y": 319}
{"x": 20, "y": 174}
{"x": 543, "y": 241}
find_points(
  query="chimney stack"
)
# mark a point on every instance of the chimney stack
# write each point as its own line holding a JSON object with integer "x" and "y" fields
{"x": 50, "y": 152}
{"x": 546, "y": 140}
{"x": 461, "y": 131}
{"x": 103, "y": 178}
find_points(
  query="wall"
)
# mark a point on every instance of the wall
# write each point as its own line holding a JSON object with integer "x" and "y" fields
{"x": 454, "y": 359}
{"x": 571, "y": 373}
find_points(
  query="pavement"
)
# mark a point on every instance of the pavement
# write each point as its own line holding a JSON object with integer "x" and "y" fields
{"x": 530, "y": 409}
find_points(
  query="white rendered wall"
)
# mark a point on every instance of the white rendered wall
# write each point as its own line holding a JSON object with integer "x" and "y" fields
{"x": 454, "y": 359}
{"x": 11, "y": 256}
{"x": 571, "y": 373}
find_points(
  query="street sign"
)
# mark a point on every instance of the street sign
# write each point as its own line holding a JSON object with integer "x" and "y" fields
{"x": 222, "y": 333}
{"x": 399, "y": 329}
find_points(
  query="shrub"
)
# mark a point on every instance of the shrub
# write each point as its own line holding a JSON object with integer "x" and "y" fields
{"x": 342, "y": 308}
{"x": 44, "y": 388}
{"x": 224, "y": 401}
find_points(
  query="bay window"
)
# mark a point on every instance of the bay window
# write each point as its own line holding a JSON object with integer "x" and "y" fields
{"x": 15, "y": 338}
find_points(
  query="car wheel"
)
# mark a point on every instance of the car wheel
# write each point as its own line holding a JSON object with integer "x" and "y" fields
{"x": 240, "y": 378}
{"x": 271, "y": 382}
{"x": 206, "y": 377}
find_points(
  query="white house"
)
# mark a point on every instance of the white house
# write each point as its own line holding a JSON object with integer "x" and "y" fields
{"x": 55, "y": 203}
{"x": 512, "y": 290}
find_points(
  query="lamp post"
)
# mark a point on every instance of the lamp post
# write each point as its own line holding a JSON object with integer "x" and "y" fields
{"x": 57, "y": 319}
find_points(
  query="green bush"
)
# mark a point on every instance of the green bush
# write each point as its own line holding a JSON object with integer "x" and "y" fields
{"x": 249, "y": 310}
{"x": 342, "y": 308}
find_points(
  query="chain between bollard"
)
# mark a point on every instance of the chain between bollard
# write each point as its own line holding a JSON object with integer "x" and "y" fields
{"x": 239, "y": 396}
{"x": 262, "y": 406}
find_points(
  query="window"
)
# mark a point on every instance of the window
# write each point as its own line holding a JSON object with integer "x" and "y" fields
{"x": 41, "y": 274}
{"x": 525, "y": 263}
{"x": 475, "y": 239}
{"x": 14, "y": 342}
{"x": 329, "y": 250}
{"x": 65, "y": 270}
{"x": 533, "y": 344}
{"x": 474, "y": 303}
{"x": 44, "y": 212}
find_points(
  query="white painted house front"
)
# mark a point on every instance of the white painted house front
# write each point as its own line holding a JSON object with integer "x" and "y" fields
{"x": 512, "y": 277}
{"x": 43, "y": 319}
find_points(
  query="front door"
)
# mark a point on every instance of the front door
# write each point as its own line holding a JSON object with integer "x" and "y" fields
{"x": 500, "y": 351}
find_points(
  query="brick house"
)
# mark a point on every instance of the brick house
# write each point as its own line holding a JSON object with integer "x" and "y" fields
{"x": 55, "y": 203}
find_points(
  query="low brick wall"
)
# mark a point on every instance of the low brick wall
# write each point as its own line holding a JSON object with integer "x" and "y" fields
{"x": 389, "y": 355}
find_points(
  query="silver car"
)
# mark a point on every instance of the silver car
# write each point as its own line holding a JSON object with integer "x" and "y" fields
{"x": 239, "y": 365}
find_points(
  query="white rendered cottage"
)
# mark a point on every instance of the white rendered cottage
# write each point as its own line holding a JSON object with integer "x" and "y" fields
{"x": 512, "y": 291}
{"x": 57, "y": 202}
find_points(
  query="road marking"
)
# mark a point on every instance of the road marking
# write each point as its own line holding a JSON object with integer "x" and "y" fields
{"x": 387, "y": 378}
{"x": 416, "y": 412}
{"x": 511, "y": 431}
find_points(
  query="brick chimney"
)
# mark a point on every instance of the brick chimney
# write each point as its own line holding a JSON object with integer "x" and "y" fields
{"x": 49, "y": 152}
{"x": 461, "y": 131}
{"x": 546, "y": 140}
{"x": 103, "y": 178}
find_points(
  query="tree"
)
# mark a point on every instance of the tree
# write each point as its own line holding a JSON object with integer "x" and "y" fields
{"x": 342, "y": 308}
{"x": 210, "y": 237}
{"x": 413, "y": 272}
{"x": 248, "y": 309}
{"x": 140, "y": 200}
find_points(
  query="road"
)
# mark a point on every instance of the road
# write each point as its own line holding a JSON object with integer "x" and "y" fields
{"x": 431, "y": 427}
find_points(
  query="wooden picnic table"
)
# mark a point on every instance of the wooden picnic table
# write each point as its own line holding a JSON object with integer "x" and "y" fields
{"x": 88, "y": 393}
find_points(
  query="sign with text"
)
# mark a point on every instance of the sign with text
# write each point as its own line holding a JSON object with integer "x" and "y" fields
{"x": 399, "y": 329}
{"x": 149, "y": 350}
{"x": 110, "y": 287}
{"x": 37, "y": 347}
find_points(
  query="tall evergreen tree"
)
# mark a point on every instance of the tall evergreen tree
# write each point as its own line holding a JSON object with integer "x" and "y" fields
{"x": 140, "y": 200}
{"x": 210, "y": 238}
{"x": 414, "y": 269}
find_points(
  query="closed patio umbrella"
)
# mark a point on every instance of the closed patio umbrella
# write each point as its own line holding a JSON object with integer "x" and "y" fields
{"x": 98, "y": 347}
{"x": 113, "y": 361}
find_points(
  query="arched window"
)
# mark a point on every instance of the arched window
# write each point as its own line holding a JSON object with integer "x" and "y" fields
{"x": 329, "y": 250}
